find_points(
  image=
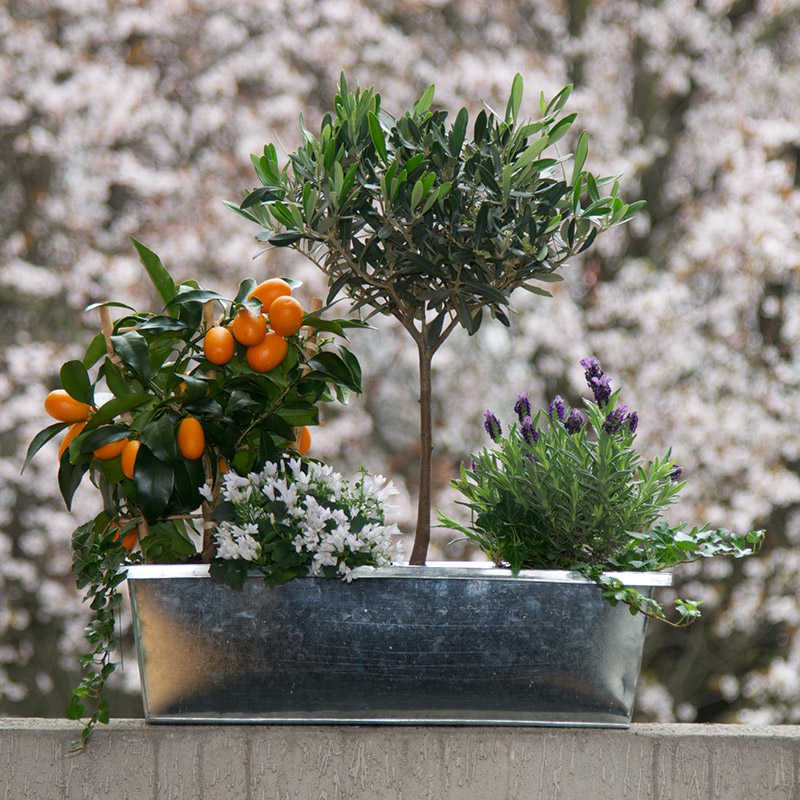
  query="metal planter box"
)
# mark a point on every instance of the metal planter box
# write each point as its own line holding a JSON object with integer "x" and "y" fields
{"x": 445, "y": 645}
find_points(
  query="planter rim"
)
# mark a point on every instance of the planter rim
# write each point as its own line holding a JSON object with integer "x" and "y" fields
{"x": 459, "y": 570}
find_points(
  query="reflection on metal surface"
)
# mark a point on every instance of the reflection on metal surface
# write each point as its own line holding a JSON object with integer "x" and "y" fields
{"x": 401, "y": 647}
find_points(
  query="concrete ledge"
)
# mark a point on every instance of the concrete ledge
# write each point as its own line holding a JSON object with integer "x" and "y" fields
{"x": 129, "y": 760}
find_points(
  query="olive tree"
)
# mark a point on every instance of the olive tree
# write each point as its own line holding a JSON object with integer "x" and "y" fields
{"x": 414, "y": 218}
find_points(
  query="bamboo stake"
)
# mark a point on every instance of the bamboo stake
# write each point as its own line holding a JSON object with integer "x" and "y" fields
{"x": 208, "y": 323}
{"x": 209, "y": 548}
{"x": 311, "y": 349}
{"x": 125, "y": 417}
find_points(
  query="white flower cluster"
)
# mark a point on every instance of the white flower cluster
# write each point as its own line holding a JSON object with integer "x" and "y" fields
{"x": 313, "y": 508}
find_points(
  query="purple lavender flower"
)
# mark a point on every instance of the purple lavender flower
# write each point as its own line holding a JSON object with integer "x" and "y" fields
{"x": 530, "y": 458}
{"x": 633, "y": 421}
{"x": 614, "y": 420}
{"x": 592, "y": 367}
{"x": 598, "y": 381}
{"x": 574, "y": 421}
{"x": 529, "y": 433}
{"x": 492, "y": 425}
{"x": 601, "y": 388}
{"x": 558, "y": 406}
{"x": 522, "y": 407}
{"x": 676, "y": 473}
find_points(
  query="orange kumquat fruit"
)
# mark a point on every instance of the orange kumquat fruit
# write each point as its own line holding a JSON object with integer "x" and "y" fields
{"x": 71, "y": 433}
{"x": 269, "y": 290}
{"x": 191, "y": 439}
{"x": 128, "y": 457}
{"x": 286, "y": 316}
{"x": 249, "y": 328}
{"x": 59, "y": 405}
{"x": 218, "y": 345}
{"x": 266, "y": 355}
{"x": 110, "y": 450}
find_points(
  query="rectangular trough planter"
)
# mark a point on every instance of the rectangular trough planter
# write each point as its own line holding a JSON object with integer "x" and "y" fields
{"x": 446, "y": 645}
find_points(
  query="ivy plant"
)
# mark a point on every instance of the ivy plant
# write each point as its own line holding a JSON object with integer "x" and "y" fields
{"x": 435, "y": 224}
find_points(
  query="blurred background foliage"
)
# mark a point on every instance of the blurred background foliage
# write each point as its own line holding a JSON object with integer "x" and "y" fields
{"x": 138, "y": 118}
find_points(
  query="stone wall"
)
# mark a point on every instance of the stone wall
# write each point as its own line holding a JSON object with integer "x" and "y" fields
{"x": 130, "y": 760}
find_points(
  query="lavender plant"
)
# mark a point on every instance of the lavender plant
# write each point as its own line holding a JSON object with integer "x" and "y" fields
{"x": 565, "y": 489}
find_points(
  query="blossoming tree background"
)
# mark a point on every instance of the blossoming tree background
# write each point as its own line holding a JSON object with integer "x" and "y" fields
{"x": 138, "y": 118}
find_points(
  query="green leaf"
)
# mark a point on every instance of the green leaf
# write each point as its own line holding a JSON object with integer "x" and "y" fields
{"x": 285, "y": 238}
{"x": 536, "y": 290}
{"x": 109, "y": 304}
{"x": 95, "y": 351}
{"x": 458, "y": 133}
{"x": 581, "y": 151}
{"x": 75, "y": 380}
{"x": 196, "y": 296}
{"x": 435, "y": 328}
{"x": 161, "y": 279}
{"x": 506, "y": 179}
{"x": 424, "y": 103}
{"x": 353, "y": 365}
{"x": 154, "y": 480}
{"x": 512, "y": 109}
{"x": 558, "y": 102}
{"x": 41, "y": 439}
{"x": 234, "y": 207}
{"x": 377, "y": 136}
{"x": 164, "y": 324}
{"x": 229, "y": 571}
{"x": 591, "y": 185}
{"x": 298, "y": 414}
{"x": 330, "y": 365}
{"x": 487, "y": 291}
{"x": 103, "y": 435}
{"x": 245, "y": 287}
{"x": 118, "y": 405}
{"x": 262, "y": 195}
{"x": 69, "y": 479}
{"x": 132, "y": 348}
{"x": 160, "y": 437}
{"x": 416, "y": 194}
{"x": 561, "y": 127}
{"x": 531, "y": 152}
{"x": 75, "y": 709}
{"x": 189, "y": 477}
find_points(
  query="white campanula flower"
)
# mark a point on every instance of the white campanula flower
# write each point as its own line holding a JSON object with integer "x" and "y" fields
{"x": 314, "y": 510}
{"x": 373, "y": 487}
{"x": 237, "y": 542}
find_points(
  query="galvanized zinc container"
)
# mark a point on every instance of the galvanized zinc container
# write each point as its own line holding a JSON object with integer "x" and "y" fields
{"x": 444, "y": 644}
